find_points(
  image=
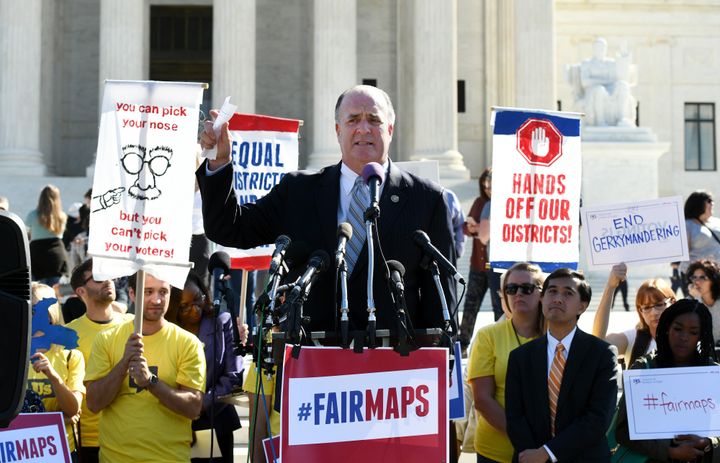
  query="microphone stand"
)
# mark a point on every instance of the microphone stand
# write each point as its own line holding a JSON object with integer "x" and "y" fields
{"x": 371, "y": 214}
{"x": 344, "y": 308}
{"x": 449, "y": 327}
{"x": 403, "y": 347}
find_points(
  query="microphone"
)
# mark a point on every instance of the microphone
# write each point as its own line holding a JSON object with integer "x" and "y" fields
{"x": 219, "y": 266}
{"x": 318, "y": 262}
{"x": 374, "y": 174}
{"x": 396, "y": 274}
{"x": 423, "y": 241}
{"x": 344, "y": 233}
{"x": 281, "y": 245}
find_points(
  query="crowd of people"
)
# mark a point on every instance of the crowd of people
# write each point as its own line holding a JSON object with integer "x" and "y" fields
{"x": 542, "y": 389}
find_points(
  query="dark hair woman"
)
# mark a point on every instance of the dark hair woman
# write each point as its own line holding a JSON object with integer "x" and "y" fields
{"x": 191, "y": 309}
{"x": 703, "y": 230}
{"x": 684, "y": 339}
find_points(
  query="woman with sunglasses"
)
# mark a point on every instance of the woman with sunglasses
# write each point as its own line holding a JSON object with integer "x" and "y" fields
{"x": 684, "y": 339}
{"x": 489, "y": 357}
{"x": 703, "y": 280}
{"x": 703, "y": 229}
{"x": 653, "y": 297}
{"x": 191, "y": 309}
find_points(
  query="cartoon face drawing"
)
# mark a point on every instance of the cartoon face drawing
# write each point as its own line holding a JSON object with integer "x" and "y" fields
{"x": 147, "y": 165}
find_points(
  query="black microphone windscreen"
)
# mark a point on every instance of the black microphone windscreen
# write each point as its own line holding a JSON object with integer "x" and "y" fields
{"x": 397, "y": 266}
{"x": 320, "y": 259}
{"x": 282, "y": 241}
{"x": 219, "y": 260}
{"x": 345, "y": 229}
{"x": 420, "y": 237}
{"x": 373, "y": 169}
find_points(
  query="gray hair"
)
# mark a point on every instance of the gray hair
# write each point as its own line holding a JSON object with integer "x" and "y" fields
{"x": 368, "y": 90}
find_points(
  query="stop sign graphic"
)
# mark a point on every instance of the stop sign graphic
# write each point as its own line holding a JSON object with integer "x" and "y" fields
{"x": 540, "y": 142}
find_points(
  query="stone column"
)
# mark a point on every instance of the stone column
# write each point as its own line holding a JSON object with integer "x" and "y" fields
{"x": 20, "y": 66}
{"x": 233, "y": 58}
{"x": 124, "y": 48}
{"x": 334, "y": 70}
{"x": 435, "y": 115}
{"x": 535, "y": 54}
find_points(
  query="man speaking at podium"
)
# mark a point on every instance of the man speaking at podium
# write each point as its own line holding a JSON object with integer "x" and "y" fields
{"x": 308, "y": 207}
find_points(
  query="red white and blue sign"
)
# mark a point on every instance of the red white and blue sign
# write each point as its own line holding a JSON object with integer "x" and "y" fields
{"x": 375, "y": 406}
{"x": 36, "y": 437}
{"x": 537, "y": 176}
{"x": 263, "y": 150}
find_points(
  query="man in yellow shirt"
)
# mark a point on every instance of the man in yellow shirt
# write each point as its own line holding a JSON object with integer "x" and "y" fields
{"x": 98, "y": 297}
{"x": 149, "y": 387}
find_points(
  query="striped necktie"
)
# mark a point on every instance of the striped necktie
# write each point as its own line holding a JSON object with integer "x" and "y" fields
{"x": 360, "y": 198}
{"x": 554, "y": 382}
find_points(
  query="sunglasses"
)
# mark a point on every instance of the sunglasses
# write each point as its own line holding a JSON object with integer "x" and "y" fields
{"x": 698, "y": 278}
{"x": 525, "y": 288}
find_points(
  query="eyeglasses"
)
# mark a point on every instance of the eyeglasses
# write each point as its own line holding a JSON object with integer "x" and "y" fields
{"x": 694, "y": 278}
{"x": 90, "y": 278}
{"x": 525, "y": 288}
{"x": 659, "y": 307}
{"x": 182, "y": 308}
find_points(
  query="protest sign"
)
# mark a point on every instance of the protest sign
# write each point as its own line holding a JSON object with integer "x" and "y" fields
{"x": 141, "y": 210}
{"x": 645, "y": 232}
{"x": 263, "y": 149}
{"x": 536, "y": 188}
{"x": 35, "y": 437}
{"x": 338, "y": 405}
{"x": 662, "y": 403}
{"x": 456, "y": 397}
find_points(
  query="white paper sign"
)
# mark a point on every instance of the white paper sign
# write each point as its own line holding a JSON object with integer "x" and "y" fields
{"x": 646, "y": 232}
{"x": 141, "y": 209}
{"x": 664, "y": 402}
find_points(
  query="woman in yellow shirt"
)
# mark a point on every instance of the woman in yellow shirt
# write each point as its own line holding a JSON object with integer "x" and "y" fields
{"x": 56, "y": 374}
{"x": 487, "y": 365}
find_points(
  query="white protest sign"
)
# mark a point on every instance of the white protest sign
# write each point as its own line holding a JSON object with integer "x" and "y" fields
{"x": 664, "y": 402}
{"x": 263, "y": 150}
{"x": 536, "y": 188}
{"x": 35, "y": 437}
{"x": 141, "y": 210}
{"x": 645, "y": 232}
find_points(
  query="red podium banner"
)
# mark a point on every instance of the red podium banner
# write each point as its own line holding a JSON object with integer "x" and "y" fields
{"x": 338, "y": 405}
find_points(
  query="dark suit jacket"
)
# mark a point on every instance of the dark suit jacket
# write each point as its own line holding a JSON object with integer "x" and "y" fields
{"x": 586, "y": 402}
{"x": 304, "y": 206}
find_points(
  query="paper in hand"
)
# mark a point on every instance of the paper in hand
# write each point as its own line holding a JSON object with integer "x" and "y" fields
{"x": 226, "y": 112}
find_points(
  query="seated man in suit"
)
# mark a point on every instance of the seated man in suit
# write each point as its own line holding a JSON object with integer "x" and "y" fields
{"x": 561, "y": 388}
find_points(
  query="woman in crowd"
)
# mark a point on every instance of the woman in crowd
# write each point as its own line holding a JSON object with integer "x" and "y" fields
{"x": 56, "y": 374}
{"x": 684, "y": 339}
{"x": 489, "y": 356}
{"x": 703, "y": 283}
{"x": 46, "y": 224}
{"x": 652, "y": 298}
{"x": 703, "y": 230}
{"x": 193, "y": 311}
{"x": 478, "y": 276}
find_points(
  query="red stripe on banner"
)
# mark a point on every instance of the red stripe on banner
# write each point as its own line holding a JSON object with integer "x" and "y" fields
{"x": 254, "y": 122}
{"x": 250, "y": 263}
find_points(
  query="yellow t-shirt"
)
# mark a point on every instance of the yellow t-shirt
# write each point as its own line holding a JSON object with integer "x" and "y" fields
{"x": 71, "y": 370}
{"x": 87, "y": 330}
{"x": 136, "y": 426}
{"x": 489, "y": 357}
{"x": 252, "y": 386}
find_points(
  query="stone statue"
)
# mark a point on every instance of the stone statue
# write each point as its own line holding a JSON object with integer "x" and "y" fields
{"x": 601, "y": 87}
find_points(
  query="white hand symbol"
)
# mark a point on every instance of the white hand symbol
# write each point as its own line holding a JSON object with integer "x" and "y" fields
{"x": 540, "y": 143}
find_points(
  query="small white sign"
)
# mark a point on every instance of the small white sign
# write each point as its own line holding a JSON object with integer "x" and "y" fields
{"x": 662, "y": 403}
{"x": 645, "y": 232}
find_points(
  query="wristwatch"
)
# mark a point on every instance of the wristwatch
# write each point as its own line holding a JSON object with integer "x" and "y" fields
{"x": 153, "y": 379}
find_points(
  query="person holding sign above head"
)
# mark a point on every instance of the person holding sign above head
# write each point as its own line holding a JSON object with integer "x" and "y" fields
{"x": 149, "y": 387}
{"x": 487, "y": 365}
{"x": 703, "y": 280}
{"x": 653, "y": 297}
{"x": 561, "y": 389}
{"x": 684, "y": 339}
{"x": 308, "y": 207}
